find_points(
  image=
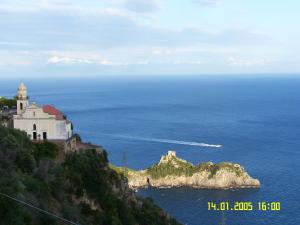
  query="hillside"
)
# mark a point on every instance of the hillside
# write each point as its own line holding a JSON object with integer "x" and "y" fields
{"x": 79, "y": 187}
{"x": 172, "y": 171}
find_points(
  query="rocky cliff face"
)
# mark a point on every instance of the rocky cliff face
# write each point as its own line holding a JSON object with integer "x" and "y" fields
{"x": 172, "y": 171}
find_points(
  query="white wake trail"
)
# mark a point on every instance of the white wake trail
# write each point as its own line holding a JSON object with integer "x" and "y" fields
{"x": 189, "y": 143}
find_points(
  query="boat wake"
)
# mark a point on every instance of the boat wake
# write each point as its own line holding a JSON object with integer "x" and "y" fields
{"x": 169, "y": 141}
{"x": 189, "y": 143}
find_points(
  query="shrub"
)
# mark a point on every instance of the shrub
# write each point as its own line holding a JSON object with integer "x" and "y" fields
{"x": 45, "y": 150}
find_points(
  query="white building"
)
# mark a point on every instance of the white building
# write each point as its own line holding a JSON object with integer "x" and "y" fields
{"x": 40, "y": 123}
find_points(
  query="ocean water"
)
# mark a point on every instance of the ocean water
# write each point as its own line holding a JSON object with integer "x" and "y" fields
{"x": 256, "y": 120}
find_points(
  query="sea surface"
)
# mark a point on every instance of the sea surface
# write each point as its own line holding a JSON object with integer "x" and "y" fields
{"x": 255, "y": 119}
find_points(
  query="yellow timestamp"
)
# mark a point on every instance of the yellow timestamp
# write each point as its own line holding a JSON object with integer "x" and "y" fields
{"x": 244, "y": 206}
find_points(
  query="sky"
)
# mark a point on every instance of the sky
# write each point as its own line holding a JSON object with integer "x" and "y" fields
{"x": 148, "y": 37}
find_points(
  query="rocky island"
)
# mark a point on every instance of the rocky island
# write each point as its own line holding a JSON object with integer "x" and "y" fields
{"x": 172, "y": 171}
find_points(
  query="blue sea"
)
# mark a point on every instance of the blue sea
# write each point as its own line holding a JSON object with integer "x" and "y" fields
{"x": 256, "y": 119}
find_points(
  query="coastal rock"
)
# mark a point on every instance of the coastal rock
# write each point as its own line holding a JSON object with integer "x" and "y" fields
{"x": 172, "y": 171}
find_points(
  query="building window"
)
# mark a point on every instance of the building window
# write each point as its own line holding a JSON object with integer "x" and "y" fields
{"x": 34, "y": 135}
{"x": 34, "y": 126}
{"x": 33, "y": 113}
{"x": 45, "y": 135}
{"x": 21, "y": 106}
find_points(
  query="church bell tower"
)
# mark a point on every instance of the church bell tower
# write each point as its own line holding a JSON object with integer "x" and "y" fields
{"x": 22, "y": 99}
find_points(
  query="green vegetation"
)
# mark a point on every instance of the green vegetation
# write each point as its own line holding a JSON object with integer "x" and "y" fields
{"x": 8, "y": 102}
{"x": 174, "y": 166}
{"x": 82, "y": 188}
{"x": 121, "y": 170}
{"x": 214, "y": 168}
{"x": 3, "y": 118}
{"x": 178, "y": 167}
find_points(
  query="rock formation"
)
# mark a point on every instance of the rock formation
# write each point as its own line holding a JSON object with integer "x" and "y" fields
{"x": 172, "y": 171}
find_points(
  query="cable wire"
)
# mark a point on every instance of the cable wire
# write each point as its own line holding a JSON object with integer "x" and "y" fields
{"x": 38, "y": 209}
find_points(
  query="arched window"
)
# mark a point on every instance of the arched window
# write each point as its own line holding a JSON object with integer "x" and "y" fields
{"x": 21, "y": 106}
{"x": 34, "y": 126}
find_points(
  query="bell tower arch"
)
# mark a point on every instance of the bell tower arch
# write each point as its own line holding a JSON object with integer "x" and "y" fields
{"x": 22, "y": 98}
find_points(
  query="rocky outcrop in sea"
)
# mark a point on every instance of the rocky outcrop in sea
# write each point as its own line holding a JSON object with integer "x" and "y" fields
{"x": 172, "y": 171}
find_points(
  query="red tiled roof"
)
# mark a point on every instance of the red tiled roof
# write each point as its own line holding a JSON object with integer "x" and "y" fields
{"x": 53, "y": 111}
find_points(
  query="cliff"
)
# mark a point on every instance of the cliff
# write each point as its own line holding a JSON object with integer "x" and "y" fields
{"x": 77, "y": 186}
{"x": 172, "y": 171}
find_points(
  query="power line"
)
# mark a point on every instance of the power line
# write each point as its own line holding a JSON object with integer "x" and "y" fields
{"x": 38, "y": 209}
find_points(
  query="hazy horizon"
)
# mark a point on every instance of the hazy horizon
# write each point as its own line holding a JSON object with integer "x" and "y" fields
{"x": 129, "y": 77}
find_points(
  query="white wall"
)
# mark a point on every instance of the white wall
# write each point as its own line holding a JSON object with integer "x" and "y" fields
{"x": 25, "y": 104}
{"x": 56, "y": 129}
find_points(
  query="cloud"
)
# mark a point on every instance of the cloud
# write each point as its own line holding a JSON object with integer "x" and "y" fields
{"x": 238, "y": 62}
{"x": 64, "y": 31}
{"x": 73, "y": 60}
{"x": 208, "y": 2}
{"x": 16, "y": 62}
{"x": 113, "y": 33}
{"x": 112, "y": 7}
{"x": 192, "y": 62}
{"x": 14, "y": 59}
{"x": 64, "y": 25}
{"x": 62, "y": 8}
{"x": 67, "y": 60}
{"x": 241, "y": 37}
{"x": 141, "y": 5}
